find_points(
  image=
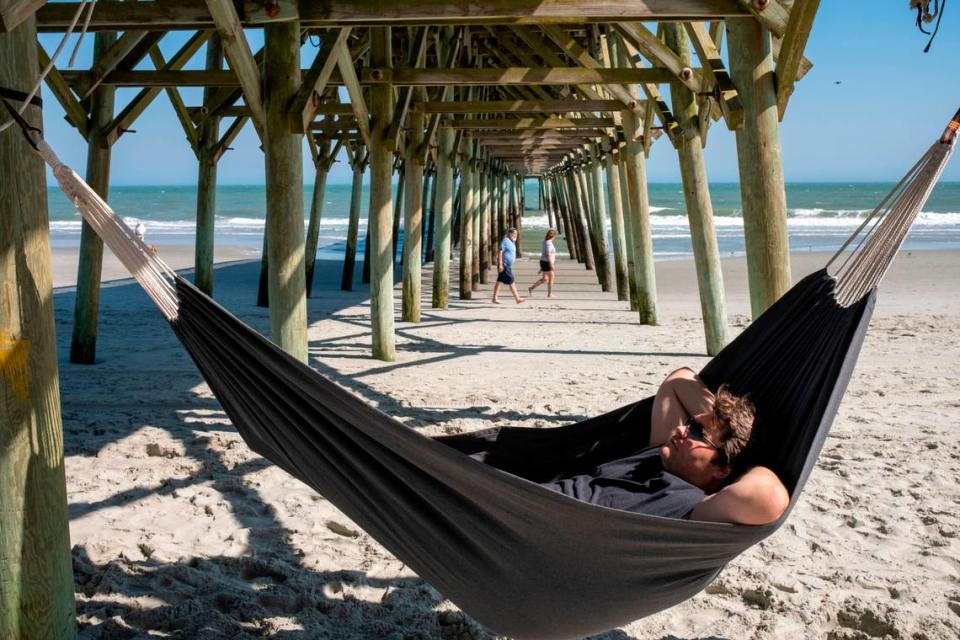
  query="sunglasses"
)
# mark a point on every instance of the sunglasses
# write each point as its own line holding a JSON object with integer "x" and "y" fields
{"x": 695, "y": 432}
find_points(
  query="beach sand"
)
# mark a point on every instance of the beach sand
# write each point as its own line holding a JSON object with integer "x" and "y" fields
{"x": 179, "y": 530}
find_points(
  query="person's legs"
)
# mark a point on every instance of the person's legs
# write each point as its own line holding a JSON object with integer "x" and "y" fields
{"x": 516, "y": 294}
{"x": 550, "y": 277}
{"x": 536, "y": 284}
{"x": 496, "y": 292}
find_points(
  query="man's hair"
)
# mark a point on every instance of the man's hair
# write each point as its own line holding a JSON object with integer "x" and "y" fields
{"x": 511, "y": 230}
{"x": 735, "y": 416}
{"x": 551, "y": 234}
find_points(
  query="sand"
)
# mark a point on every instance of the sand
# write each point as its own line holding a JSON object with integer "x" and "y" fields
{"x": 179, "y": 530}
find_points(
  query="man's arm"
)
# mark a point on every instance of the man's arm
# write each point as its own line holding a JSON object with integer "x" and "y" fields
{"x": 757, "y": 498}
{"x": 681, "y": 395}
{"x": 500, "y": 259}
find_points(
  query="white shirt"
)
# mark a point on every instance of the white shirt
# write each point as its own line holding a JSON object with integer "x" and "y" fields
{"x": 547, "y": 251}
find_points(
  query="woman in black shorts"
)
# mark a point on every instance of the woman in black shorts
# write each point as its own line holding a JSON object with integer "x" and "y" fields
{"x": 548, "y": 265}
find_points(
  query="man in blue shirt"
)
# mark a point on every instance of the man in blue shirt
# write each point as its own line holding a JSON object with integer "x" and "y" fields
{"x": 505, "y": 259}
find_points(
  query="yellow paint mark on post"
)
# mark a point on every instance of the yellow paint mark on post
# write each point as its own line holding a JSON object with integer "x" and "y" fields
{"x": 14, "y": 355}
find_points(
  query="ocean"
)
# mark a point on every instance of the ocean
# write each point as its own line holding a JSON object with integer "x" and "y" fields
{"x": 820, "y": 216}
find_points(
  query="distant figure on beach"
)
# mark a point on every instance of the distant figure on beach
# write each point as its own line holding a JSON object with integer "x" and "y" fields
{"x": 505, "y": 259}
{"x": 695, "y": 436}
{"x": 140, "y": 230}
{"x": 548, "y": 266}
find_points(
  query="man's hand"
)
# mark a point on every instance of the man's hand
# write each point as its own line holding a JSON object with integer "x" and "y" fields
{"x": 500, "y": 267}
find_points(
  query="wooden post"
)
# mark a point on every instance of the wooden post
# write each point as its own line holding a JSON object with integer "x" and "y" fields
{"x": 762, "y": 191}
{"x": 600, "y": 216}
{"x": 466, "y": 225}
{"x": 484, "y": 246}
{"x": 582, "y": 196}
{"x": 83, "y": 346}
{"x": 36, "y": 576}
{"x": 263, "y": 298}
{"x": 413, "y": 215}
{"x": 398, "y": 208}
{"x": 429, "y": 210}
{"x": 381, "y": 262}
{"x": 621, "y": 165}
{"x": 286, "y": 272}
{"x": 573, "y": 236}
{"x": 563, "y": 208}
{"x": 576, "y": 197}
{"x": 475, "y": 219}
{"x": 208, "y": 139}
{"x": 696, "y": 193}
{"x": 518, "y": 223}
{"x": 617, "y": 227}
{"x": 444, "y": 200}
{"x": 323, "y": 163}
{"x": 358, "y": 163}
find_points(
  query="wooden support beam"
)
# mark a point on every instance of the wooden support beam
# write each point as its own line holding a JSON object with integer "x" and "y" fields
{"x": 519, "y": 106}
{"x": 303, "y": 109}
{"x": 381, "y": 223}
{"x": 192, "y": 15}
{"x": 36, "y": 577}
{"x": 76, "y": 114}
{"x": 323, "y": 160}
{"x": 444, "y": 219}
{"x": 724, "y": 89}
{"x": 629, "y": 57}
{"x": 14, "y": 12}
{"x": 413, "y": 218}
{"x": 229, "y": 136}
{"x": 520, "y": 76}
{"x": 696, "y": 191}
{"x": 83, "y": 345}
{"x": 615, "y": 207}
{"x": 284, "y": 176}
{"x": 178, "y": 107}
{"x": 514, "y": 76}
{"x": 791, "y": 49}
{"x": 415, "y": 59}
{"x": 550, "y": 57}
{"x": 109, "y": 61}
{"x": 762, "y": 189}
{"x": 531, "y": 123}
{"x": 125, "y": 119}
{"x": 659, "y": 54}
{"x": 206, "y": 149}
{"x": 638, "y": 211}
{"x": 349, "y": 75}
{"x": 573, "y": 49}
{"x": 241, "y": 59}
{"x": 358, "y": 156}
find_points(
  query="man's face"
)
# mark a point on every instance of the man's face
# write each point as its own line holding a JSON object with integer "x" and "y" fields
{"x": 513, "y": 235}
{"x": 692, "y": 460}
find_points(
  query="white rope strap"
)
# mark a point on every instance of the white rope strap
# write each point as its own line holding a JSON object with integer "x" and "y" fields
{"x": 867, "y": 254}
{"x": 153, "y": 274}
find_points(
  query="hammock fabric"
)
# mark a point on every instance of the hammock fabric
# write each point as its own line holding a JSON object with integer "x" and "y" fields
{"x": 465, "y": 512}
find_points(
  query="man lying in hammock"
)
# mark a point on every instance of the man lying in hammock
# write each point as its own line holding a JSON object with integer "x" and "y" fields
{"x": 694, "y": 438}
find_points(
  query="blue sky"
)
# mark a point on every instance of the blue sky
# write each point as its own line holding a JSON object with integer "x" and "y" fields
{"x": 870, "y": 106}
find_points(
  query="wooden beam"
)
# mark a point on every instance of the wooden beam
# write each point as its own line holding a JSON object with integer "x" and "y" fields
{"x": 125, "y": 119}
{"x": 659, "y": 54}
{"x": 584, "y": 59}
{"x": 109, "y": 61}
{"x": 519, "y": 106}
{"x": 13, "y": 12}
{"x": 712, "y": 62}
{"x": 549, "y": 56}
{"x": 531, "y": 123}
{"x": 76, "y": 114}
{"x": 794, "y": 41}
{"x": 415, "y": 59}
{"x": 518, "y": 76}
{"x": 185, "y": 14}
{"x": 178, "y": 107}
{"x": 305, "y": 103}
{"x": 357, "y": 103}
{"x": 241, "y": 59}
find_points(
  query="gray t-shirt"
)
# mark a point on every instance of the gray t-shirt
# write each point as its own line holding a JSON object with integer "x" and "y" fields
{"x": 636, "y": 483}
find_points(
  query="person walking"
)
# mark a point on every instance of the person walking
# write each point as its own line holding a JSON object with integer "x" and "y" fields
{"x": 505, "y": 258}
{"x": 548, "y": 265}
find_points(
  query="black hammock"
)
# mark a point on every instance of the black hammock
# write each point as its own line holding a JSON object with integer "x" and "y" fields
{"x": 465, "y": 512}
